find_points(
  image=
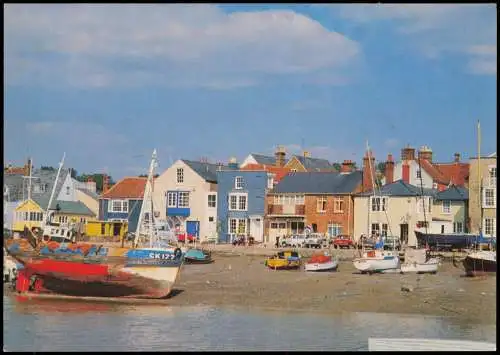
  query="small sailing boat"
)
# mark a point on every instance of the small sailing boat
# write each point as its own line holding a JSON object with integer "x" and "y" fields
{"x": 321, "y": 262}
{"x": 378, "y": 260}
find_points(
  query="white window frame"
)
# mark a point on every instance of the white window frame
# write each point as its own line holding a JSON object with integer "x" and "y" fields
{"x": 338, "y": 205}
{"x": 238, "y": 197}
{"x": 446, "y": 208}
{"x": 180, "y": 201}
{"x": 380, "y": 206}
{"x": 321, "y": 202}
{"x": 171, "y": 197}
{"x": 212, "y": 200}
{"x": 456, "y": 226}
{"x": 180, "y": 175}
{"x": 384, "y": 230}
{"x": 492, "y": 227}
{"x": 377, "y": 228}
{"x": 492, "y": 168}
{"x": 494, "y": 197}
{"x": 276, "y": 200}
{"x": 238, "y": 182}
{"x": 424, "y": 202}
{"x": 270, "y": 181}
{"x": 238, "y": 223}
{"x": 123, "y": 206}
{"x": 334, "y": 227}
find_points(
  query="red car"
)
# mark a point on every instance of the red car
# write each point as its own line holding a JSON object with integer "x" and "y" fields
{"x": 343, "y": 241}
{"x": 182, "y": 238}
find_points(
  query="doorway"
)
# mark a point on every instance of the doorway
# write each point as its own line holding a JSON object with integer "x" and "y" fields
{"x": 403, "y": 229}
{"x": 116, "y": 229}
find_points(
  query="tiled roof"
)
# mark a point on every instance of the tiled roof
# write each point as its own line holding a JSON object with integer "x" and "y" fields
{"x": 455, "y": 173}
{"x": 90, "y": 193}
{"x": 128, "y": 187}
{"x": 319, "y": 183}
{"x": 433, "y": 172}
{"x": 207, "y": 171}
{"x": 69, "y": 207}
{"x": 279, "y": 172}
{"x": 14, "y": 170}
{"x": 453, "y": 193}
{"x": 264, "y": 159}
{"x": 18, "y": 186}
{"x": 400, "y": 188}
{"x": 314, "y": 163}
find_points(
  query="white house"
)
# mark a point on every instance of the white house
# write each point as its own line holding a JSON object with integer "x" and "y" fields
{"x": 186, "y": 196}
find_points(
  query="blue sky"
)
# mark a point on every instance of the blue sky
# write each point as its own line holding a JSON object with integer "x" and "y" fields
{"x": 109, "y": 83}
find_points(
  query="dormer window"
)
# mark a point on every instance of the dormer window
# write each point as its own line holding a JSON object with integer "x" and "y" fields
{"x": 238, "y": 182}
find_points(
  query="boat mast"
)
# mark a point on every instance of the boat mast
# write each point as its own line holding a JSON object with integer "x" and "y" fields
{"x": 147, "y": 195}
{"x": 480, "y": 178}
{"x": 47, "y": 219}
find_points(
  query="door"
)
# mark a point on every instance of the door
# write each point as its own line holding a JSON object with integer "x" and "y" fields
{"x": 256, "y": 229}
{"x": 193, "y": 228}
{"x": 116, "y": 229}
{"x": 404, "y": 233}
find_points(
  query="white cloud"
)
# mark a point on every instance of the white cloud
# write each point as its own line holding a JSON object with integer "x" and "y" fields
{"x": 437, "y": 29}
{"x": 135, "y": 44}
{"x": 391, "y": 142}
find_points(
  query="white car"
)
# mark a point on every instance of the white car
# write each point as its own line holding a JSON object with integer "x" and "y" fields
{"x": 314, "y": 240}
{"x": 294, "y": 241}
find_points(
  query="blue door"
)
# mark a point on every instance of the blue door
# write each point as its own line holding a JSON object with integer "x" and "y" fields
{"x": 193, "y": 228}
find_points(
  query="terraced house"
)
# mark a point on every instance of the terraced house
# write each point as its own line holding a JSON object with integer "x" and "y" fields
{"x": 186, "y": 197}
{"x": 321, "y": 200}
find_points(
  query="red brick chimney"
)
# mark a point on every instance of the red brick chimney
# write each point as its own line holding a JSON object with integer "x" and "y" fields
{"x": 406, "y": 172}
{"x": 105, "y": 183}
{"x": 389, "y": 170}
{"x": 408, "y": 153}
{"x": 280, "y": 155}
{"x": 425, "y": 153}
{"x": 368, "y": 162}
{"x": 347, "y": 166}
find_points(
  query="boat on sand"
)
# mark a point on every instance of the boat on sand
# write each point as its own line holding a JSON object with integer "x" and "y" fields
{"x": 284, "y": 260}
{"x": 321, "y": 262}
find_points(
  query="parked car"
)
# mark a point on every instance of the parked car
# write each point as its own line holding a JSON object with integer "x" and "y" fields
{"x": 313, "y": 240}
{"x": 392, "y": 242}
{"x": 294, "y": 241}
{"x": 367, "y": 243}
{"x": 343, "y": 241}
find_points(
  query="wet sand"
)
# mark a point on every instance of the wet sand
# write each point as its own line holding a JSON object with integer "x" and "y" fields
{"x": 244, "y": 281}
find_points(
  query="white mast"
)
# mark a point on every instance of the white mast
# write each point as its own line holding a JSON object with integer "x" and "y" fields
{"x": 47, "y": 219}
{"x": 147, "y": 196}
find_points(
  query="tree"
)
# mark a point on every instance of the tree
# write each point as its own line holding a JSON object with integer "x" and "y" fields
{"x": 98, "y": 178}
{"x": 47, "y": 168}
{"x": 381, "y": 167}
{"x": 74, "y": 173}
{"x": 336, "y": 166}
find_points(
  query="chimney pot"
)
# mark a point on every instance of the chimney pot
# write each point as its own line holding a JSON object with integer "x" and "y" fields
{"x": 457, "y": 157}
{"x": 280, "y": 155}
{"x": 306, "y": 154}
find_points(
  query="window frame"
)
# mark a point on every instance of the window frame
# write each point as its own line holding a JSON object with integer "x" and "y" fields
{"x": 381, "y": 206}
{"x": 321, "y": 204}
{"x": 212, "y": 204}
{"x": 173, "y": 195}
{"x": 238, "y": 183}
{"x": 180, "y": 201}
{"x": 123, "y": 206}
{"x": 446, "y": 210}
{"x": 179, "y": 175}
{"x": 493, "y": 197}
{"x": 338, "y": 205}
{"x": 492, "y": 226}
{"x": 237, "y": 196}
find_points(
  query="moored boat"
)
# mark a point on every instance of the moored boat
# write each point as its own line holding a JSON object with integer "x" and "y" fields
{"x": 321, "y": 262}
{"x": 197, "y": 256}
{"x": 446, "y": 240}
{"x": 284, "y": 260}
{"x": 377, "y": 261}
{"x": 418, "y": 261}
{"x": 480, "y": 263}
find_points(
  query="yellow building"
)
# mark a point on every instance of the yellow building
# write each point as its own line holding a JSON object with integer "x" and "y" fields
{"x": 106, "y": 229}
{"x": 28, "y": 213}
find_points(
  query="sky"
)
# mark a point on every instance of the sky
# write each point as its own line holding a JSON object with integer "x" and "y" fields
{"x": 107, "y": 84}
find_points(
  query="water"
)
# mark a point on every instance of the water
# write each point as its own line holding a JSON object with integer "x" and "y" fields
{"x": 49, "y": 325}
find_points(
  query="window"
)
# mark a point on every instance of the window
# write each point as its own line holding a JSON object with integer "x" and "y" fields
{"x": 489, "y": 198}
{"x": 63, "y": 219}
{"x": 118, "y": 206}
{"x": 384, "y": 229}
{"x": 489, "y": 226}
{"x": 493, "y": 172}
{"x": 321, "y": 204}
{"x": 171, "y": 199}
{"x": 183, "y": 199}
{"x": 458, "y": 227}
{"x": 210, "y": 219}
{"x": 434, "y": 185}
{"x": 375, "y": 229}
{"x": 242, "y": 224}
{"x": 237, "y": 226}
{"x": 83, "y": 220}
{"x": 180, "y": 175}
{"x": 238, "y": 202}
{"x": 424, "y": 203}
{"x": 299, "y": 199}
{"x": 68, "y": 190}
{"x": 103, "y": 229}
{"x": 338, "y": 206}
{"x": 212, "y": 200}
{"x": 419, "y": 174}
{"x": 293, "y": 170}
{"x": 446, "y": 206}
{"x": 378, "y": 204}
{"x": 238, "y": 182}
{"x": 276, "y": 200}
{"x": 334, "y": 230}
{"x": 270, "y": 181}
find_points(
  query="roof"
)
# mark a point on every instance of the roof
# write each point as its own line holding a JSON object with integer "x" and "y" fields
{"x": 319, "y": 183}
{"x": 314, "y": 163}
{"x": 14, "y": 170}
{"x": 128, "y": 187}
{"x": 434, "y": 172}
{"x": 279, "y": 172}
{"x": 69, "y": 207}
{"x": 89, "y": 193}
{"x": 400, "y": 188}
{"x": 265, "y": 159}
{"x": 207, "y": 171}
{"x": 18, "y": 186}
{"x": 453, "y": 193}
{"x": 455, "y": 173}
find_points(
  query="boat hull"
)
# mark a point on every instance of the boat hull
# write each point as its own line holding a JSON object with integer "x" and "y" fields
{"x": 475, "y": 266}
{"x": 376, "y": 265}
{"x": 429, "y": 267}
{"x": 319, "y": 267}
{"x": 189, "y": 260}
{"x": 450, "y": 241}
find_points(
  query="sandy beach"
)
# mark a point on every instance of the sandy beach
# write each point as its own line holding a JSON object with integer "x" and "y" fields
{"x": 244, "y": 281}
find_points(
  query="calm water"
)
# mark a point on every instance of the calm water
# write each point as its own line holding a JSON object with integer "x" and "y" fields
{"x": 45, "y": 325}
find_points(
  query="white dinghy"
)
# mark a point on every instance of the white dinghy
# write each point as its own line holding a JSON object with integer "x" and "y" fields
{"x": 417, "y": 261}
{"x": 377, "y": 261}
{"x": 321, "y": 262}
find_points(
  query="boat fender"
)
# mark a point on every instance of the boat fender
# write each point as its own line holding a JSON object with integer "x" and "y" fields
{"x": 178, "y": 253}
